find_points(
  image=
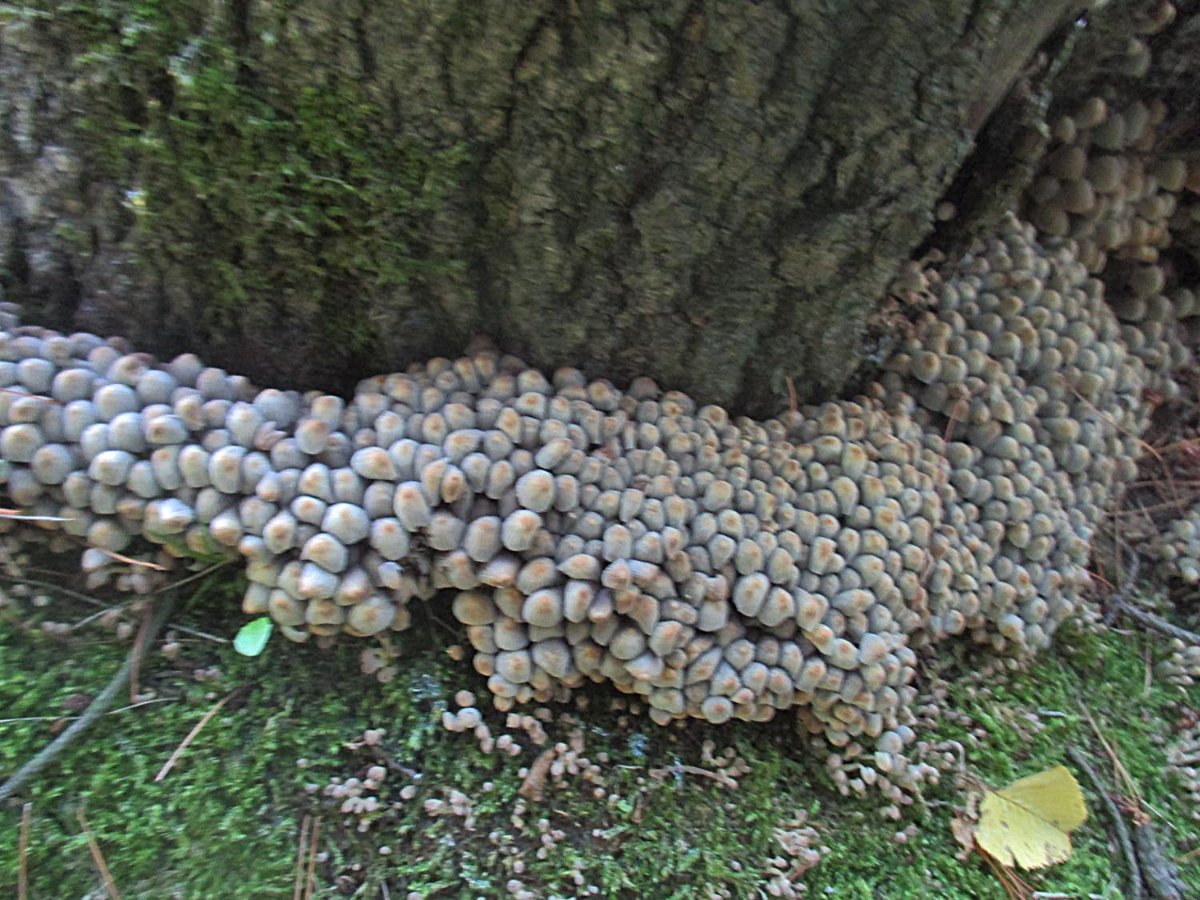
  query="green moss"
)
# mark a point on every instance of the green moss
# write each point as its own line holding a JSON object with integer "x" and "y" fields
{"x": 226, "y": 820}
{"x": 271, "y": 195}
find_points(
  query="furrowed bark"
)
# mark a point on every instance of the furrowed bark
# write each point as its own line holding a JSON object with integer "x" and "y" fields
{"x": 714, "y": 194}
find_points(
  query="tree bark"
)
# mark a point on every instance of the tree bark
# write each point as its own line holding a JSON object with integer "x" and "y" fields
{"x": 714, "y": 194}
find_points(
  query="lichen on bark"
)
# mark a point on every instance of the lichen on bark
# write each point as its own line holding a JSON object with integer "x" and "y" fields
{"x": 710, "y": 192}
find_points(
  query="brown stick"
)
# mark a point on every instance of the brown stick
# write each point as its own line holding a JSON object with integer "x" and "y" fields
{"x": 720, "y": 777}
{"x": 112, "y": 712}
{"x": 310, "y": 879}
{"x": 301, "y": 847}
{"x": 23, "y": 852}
{"x": 98, "y": 858}
{"x": 1162, "y": 626}
{"x": 191, "y": 736}
{"x": 1118, "y": 604}
{"x": 135, "y": 664}
{"x": 129, "y": 560}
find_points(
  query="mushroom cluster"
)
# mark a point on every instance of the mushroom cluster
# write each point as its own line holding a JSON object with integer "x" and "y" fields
{"x": 1182, "y": 666}
{"x": 1183, "y": 762}
{"x": 720, "y": 567}
{"x": 1104, "y": 186}
{"x": 1179, "y": 547}
{"x": 1021, "y": 385}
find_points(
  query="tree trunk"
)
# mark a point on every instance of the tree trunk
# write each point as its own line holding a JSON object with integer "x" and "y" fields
{"x": 714, "y": 194}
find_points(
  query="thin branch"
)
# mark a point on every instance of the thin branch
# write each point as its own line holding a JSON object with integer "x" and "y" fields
{"x": 1187, "y": 857}
{"x": 1161, "y": 875}
{"x": 191, "y": 735}
{"x": 195, "y": 576}
{"x": 135, "y": 664}
{"x": 129, "y": 560}
{"x": 1162, "y": 626}
{"x": 51, "y": 586}
{"x": 1119, "y": 769}
{"x": 25, "y": 394}
{"x": 1119, "y": 604}
{"x": 1136, "y": 889}
{"x": 1156, "y": 507}
{"x": 23, "y": 852}
{"x": 1145, "y": 446}
{"x": 92, "y": 618}
{"x": 111, "y": 712}
{"x": 720, "y": 777}
{"x": 310, "y": 880}
{"x": 98, "y": 858}
{"x": 301, "y": 846}
{"x": 97, "y": 708}
{"x": 200, "y": 634}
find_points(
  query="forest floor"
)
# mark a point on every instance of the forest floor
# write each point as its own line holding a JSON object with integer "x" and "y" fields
{"x": 245, "y": 811}
{"x": 301, "y": 775}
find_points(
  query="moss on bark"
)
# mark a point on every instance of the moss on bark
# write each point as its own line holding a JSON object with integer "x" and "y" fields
{"x": 709, "y": 192}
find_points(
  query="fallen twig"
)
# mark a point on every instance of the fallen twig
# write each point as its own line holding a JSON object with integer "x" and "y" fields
{"x": 1136, "y": 889}
{"x": 957, "y": 412}
{"x": 23, "y": 852}
{"x": 195, "y": 576}
{"x": 1122, "y": 774}
{"x": 1161, "y": 875}
{"x": 718, "y": 776}
{"x": 25, "y": 394}
{"x": 93, "y": 617}
{"x": 1009, "y": 879}
{"x": 135, "y": 664}
{"x": 200, "y": 634}
{"x": 310, "y": 879}
{"x": 140, "y": 563}
{"x": 1159, "y": 624}
{"x": 1162, "y": 506}
{"x": 96, "y": 709}
{"x": 191, "y": 736}
{"x": 51, "y": 586}
{"x": 111, "y": 712}
{"x": 301, "y": 847}
{"x": 1119, "y": 604}
{"x": 98, "y": 858}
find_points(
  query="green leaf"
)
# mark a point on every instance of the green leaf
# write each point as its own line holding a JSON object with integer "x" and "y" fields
{"x": 253, "y": 636}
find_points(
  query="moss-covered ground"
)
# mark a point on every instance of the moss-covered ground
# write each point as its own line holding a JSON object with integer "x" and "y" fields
{"x": 227, "y": 820}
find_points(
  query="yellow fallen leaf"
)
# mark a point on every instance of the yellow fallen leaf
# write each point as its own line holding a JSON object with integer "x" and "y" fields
{"x": 1026, "y": 823}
